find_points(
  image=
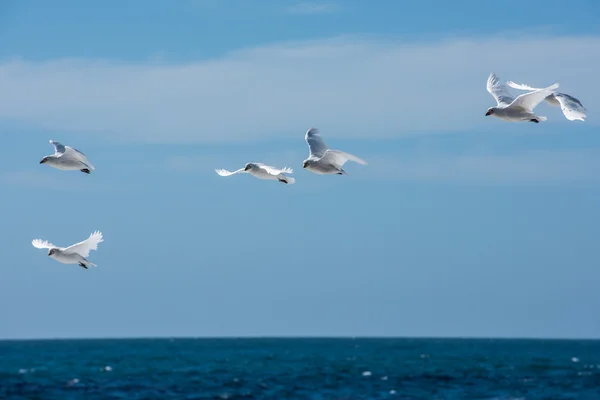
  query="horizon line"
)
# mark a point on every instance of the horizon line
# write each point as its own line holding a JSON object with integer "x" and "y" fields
{"x": 307, "y": 337}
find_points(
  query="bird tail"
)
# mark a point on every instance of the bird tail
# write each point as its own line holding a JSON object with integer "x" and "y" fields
{"x": 290, "y": 180}
{"x": 541, "y": 118}
{"x": 89, "y": 263}
{"x": 286, "y": 179}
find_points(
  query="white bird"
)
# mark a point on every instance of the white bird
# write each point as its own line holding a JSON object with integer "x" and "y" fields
{"x": 67, "y": 159}
{"x": 323, "y": 160}
{"x": 571, "y": 107}
{"x": 75, "y": 254}
{"x": 516, "y": 109}
{"x": 262, "y": 171}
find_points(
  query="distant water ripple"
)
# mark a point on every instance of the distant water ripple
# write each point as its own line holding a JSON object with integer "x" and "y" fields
{"x": 319, "y": 369}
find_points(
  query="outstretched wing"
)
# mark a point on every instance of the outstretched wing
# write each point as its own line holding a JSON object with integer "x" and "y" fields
{"x": 530, "y": 100}
{"x": 78, "y": 155}
{"x": 316, "y": 144}
{"x": 42, "y": 244}
{"x": 521, "y": 86}
{"x": 224, "y": 172}
{"x": 339, "y": 158}
{"x": 275, "y": 171}
{"x": 69, "y": 152}
{"x": 571, "y": 107}
{"x": 84, "y": 248}
{"x": 499, "y": 90}
{"x": 58, "y": 148}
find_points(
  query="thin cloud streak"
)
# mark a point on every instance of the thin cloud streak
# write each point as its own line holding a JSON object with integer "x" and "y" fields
{"x": 312, "y": 8}
{"x": 52, "y": 182}
{"x": 208, "y": 163}
{"x": 349, "y": 87}
{"x": 546, "y": 167}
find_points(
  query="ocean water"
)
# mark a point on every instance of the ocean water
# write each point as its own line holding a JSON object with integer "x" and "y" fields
{"x": 300, "y": 369}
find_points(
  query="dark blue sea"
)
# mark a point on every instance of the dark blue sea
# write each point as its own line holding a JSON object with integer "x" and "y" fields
{"x": 316, "y": 369}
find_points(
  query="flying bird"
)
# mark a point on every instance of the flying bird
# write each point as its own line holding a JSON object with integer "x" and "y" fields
{"x": 323, "y": 160}
{"x": 262, "y": 171}
{"x": 75, "y": 254}
{"x": 516, "y": 109}
{"x": 571, "y": 107}
{"x": 67, "y": 159}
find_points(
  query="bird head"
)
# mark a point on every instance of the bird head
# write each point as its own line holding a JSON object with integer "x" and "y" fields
{"x": 249, "y": 166}
{"x": 490, "y": 111}
{"x": 305, "y": 164}
{"x": 51, "y": 252}
{"x": 44, "y": 160}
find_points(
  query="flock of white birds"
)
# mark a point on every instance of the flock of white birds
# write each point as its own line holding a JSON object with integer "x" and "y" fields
{"x": 321, "y": 160}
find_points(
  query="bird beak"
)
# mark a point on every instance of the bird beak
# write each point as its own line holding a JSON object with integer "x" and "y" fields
{"x": 43, "y": 161}
{"x": 488, "y": 113}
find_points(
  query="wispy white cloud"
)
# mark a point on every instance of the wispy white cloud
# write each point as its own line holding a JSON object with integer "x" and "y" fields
{"x": 547, "y": 167}
{"x": 350, "y": 87}
{"x": 530, "y": 167}
{"x": 312, "y": 8}
{"x": 26, "y": 179}
{"x": 208, "y": 163}
{"x": 51, "y": 181}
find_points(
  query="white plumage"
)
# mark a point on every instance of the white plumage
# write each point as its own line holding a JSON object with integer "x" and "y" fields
{"x": 516, "y": 109}
{"x": 74, "y": 254}
{"x": 321, "y": 159}
{"x": 571, "y": 107}
{"x": 68, "y": 159}
{"x": 262, "y": 171}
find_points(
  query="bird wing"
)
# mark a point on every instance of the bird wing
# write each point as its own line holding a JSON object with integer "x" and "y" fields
{"x": 275, "y": 171}
{"x": 499, "y": 90}
{"x": 58, "y": 148}
{"x": 42, "y": 244}
{"x": 339, "y": 158}
{"x": 69, "y": 152}
{"x": 571, "y": 107}
{"x": 224, "y": 172}
{"x": 78, "y": 155}
{"x": 521, "y": 86}
{"x": 84, "y": 248}
{"x": 529, "y": 101}
{"x": 316, "y": 144}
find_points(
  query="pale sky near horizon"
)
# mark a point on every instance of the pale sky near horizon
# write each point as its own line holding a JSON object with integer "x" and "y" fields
{"x": 461, "y": 224}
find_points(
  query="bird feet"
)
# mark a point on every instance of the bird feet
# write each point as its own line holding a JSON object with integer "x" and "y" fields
{"x": 87, "y": 171}
{"x": 283, "y": 181}
{"x": 534, "y": 120}
{"x": 82, "y": 265}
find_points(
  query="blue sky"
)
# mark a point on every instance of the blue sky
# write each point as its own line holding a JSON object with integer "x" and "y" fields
{"x": 460, "y": 225}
